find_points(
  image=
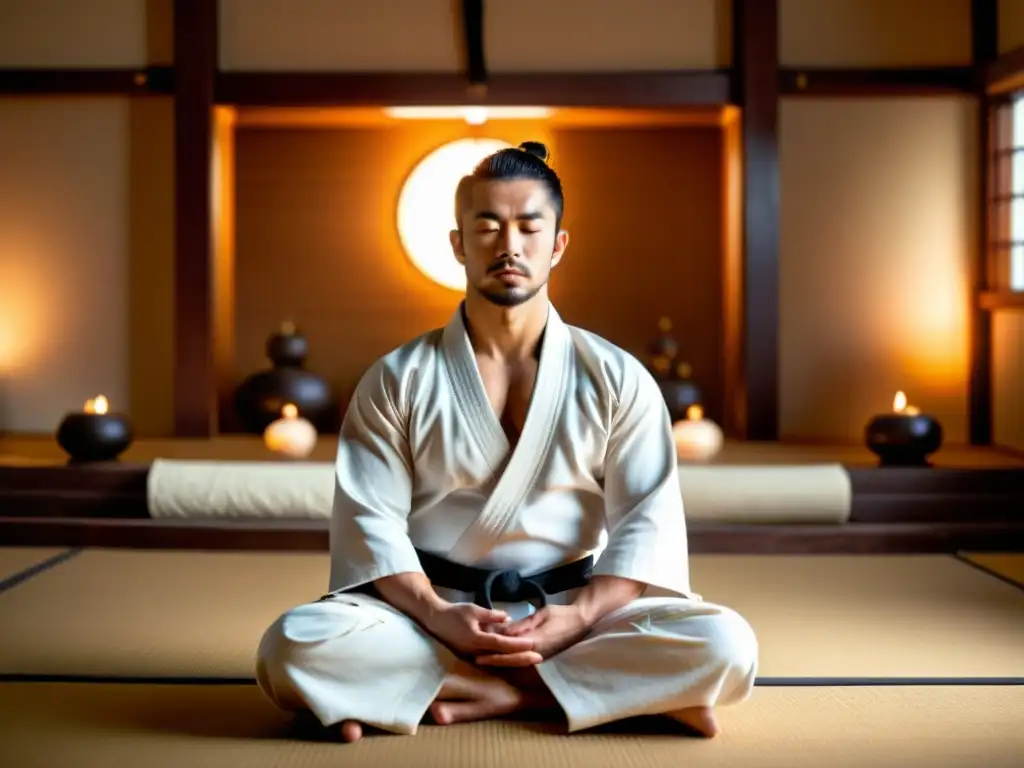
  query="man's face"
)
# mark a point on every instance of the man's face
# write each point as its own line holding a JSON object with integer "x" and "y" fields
{"x": 509, "y": 242}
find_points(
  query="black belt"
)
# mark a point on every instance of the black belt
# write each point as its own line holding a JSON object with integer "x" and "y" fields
{"x": 505, "y": 586}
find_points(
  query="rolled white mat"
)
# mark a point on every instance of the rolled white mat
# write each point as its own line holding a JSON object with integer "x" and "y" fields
{"x": 240, "y": 489}
{"x": 766, "y": 494}
{"x": 305, "y": 490}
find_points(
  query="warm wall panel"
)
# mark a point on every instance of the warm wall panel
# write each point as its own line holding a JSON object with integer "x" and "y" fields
{"x": 874, "y": 33}
{"x": 64, "y": 252}
{"x": 317, "y": 241}
{"x": 878, "y": 230}
{"x": 601, "y": 35}
{"x": 1011, "y": 25}
{"x": 396, "y": 35}
{"x": 85, "y": 33}
{"x": 643, "y": 209}
{"x": 1008, "y": 378}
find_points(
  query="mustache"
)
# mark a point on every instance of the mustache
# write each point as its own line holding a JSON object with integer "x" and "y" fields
{"x": 508, "y": 264}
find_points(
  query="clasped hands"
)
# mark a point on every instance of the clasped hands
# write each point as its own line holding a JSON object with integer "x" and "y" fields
{"x": 492, "y": 639}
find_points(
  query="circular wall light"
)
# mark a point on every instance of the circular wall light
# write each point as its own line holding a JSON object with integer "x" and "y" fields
{"x": 426, "y": 208}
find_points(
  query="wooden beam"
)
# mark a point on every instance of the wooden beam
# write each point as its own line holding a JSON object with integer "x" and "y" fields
{"x": 573, "y": 89}
{"x": 473, "y": 37}
{"x": 195, "y": 55}
{"x": 989, "y": 301}
{"x": 905, "y": 81}
{"x": 755, "y": 409}
{"x": 147, "y": 81}
{"x": 985, "y": 48}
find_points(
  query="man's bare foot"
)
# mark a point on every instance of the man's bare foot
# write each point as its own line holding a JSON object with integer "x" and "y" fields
{"x": 469, "y": 693}
{"x": 699, "y": 719}
{"x": 523, "y": 678}
{"x": 351, "y": 731}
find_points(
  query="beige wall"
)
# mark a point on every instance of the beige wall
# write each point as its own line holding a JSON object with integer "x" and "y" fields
{"x": 877, "y": 234}
{"x": 1011, "y": 24}
{"x": 86, "y": 250}
{"x": 1008, "y": 378}
{"x": 874, "y": 33}
{"x": 64, "y": 264}
{"x": 423, "y": 34}
{"x": 85, "y": 33}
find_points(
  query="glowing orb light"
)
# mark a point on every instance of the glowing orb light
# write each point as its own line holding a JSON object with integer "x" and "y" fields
{"x": 426, "y": 208}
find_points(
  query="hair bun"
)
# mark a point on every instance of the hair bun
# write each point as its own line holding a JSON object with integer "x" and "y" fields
{"x": 535, "y": 148}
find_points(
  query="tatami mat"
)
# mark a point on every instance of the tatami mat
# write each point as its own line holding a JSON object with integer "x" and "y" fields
{"x": 15, "y": 560}
{"x": 85, "y": 725}
{"x": 1009, "y": 565}
{"x": 201, "y": 614}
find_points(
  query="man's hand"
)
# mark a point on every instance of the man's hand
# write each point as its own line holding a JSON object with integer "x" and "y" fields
{"x": 471, "y": 630}
{"x": 464, "y": 628}
{"x": 549, "y": 631}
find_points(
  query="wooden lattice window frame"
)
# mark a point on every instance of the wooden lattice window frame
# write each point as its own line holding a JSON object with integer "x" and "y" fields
{"x": 1006, "y": 195}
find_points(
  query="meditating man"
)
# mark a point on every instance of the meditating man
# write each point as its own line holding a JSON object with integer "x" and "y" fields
{"x": 508, "y": 530}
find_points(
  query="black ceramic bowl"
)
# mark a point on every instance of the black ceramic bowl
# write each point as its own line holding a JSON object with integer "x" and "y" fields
{"x": 94, "y": 436}
{"x": 903, "y": 440}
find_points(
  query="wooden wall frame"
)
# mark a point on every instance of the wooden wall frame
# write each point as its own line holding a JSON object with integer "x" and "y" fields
{"x": 984, "y": 51}
{"x": 752, "y": 306}
{"x": 556, "y": 89}
{"x": 195, "y": 56}
{"x": 754, "y": 83}
{"x": 147, "y": 81}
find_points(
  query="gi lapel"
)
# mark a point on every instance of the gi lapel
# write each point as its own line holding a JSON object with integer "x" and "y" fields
{"x": 524, "y": 465}
{"x": 471, "y": 395}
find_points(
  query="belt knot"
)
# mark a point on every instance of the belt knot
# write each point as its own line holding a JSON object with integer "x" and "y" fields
{"x": 509, "y": 586}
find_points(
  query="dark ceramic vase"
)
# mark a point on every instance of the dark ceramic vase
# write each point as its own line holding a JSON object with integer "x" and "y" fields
{"x": 679, "y": 394}
{"x": 88, "y": 437}
{"x": 260, "y": 398}
{"x": 673, "y": 377}
{"x": 901, "y": 440}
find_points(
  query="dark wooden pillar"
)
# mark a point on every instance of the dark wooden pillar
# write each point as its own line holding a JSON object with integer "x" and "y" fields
{"x": 755, "y": 410}
{"x": 195, "y": 62}
{"x": 985, "y": 50}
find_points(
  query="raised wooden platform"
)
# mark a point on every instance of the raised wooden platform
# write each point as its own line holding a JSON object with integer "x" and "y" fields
{"x": 970, "y": 499}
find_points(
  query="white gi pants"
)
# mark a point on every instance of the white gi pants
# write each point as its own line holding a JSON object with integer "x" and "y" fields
{"x": 354, "y": 657}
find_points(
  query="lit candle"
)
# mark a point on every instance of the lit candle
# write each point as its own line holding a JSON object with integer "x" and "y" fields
{"x": 94, "y": 433}
{"x": 291, "y": 435}
{"x": 899, "y": 405}
{"x": 905, "y": 437}
{"x": 696, "y": 438}
{"x": 98, "y": 405}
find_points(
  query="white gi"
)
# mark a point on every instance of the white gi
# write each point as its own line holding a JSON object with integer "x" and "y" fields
{"x": 423, "y": 462}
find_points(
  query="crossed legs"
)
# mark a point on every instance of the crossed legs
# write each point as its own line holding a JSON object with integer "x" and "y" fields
{"x": 356, "y": 661}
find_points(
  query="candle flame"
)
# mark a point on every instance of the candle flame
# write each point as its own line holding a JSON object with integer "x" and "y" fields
{"x": 289, "y": 411}
{"x": 97, "y": 405}
{"x": 694, "y": 413}
{"x": 899, "y": 402}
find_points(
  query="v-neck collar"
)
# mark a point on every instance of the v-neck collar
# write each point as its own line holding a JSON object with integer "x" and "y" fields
{"x": 515, "y": 469}
{"x": 471, "y": 394}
